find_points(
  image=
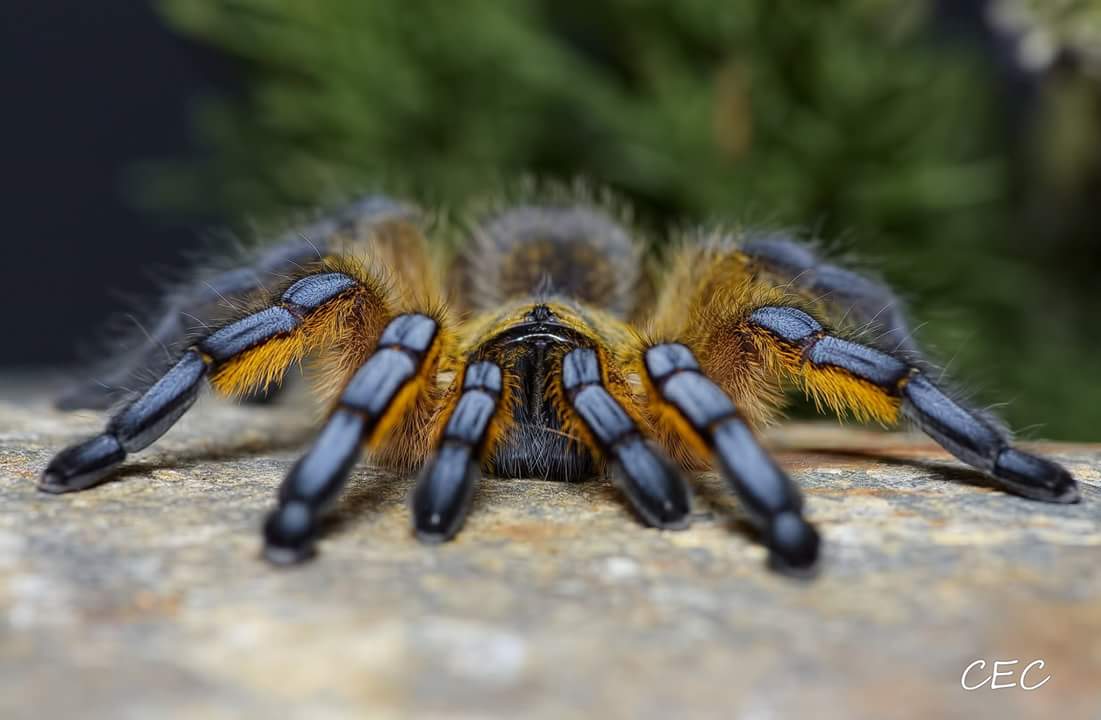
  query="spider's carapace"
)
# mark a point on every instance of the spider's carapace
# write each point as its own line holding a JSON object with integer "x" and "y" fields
{"x": 546, "y": 347}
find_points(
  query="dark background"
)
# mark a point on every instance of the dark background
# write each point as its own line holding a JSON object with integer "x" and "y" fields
{"x": 90, "y": 88}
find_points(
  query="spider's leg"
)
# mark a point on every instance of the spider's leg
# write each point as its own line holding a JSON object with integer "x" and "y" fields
{"x": 210, "y": 301}
{"x": 859, "y": 299}
{"x": 446, "y": 485}
{"x": 846, "y": 375}
{"x": 651, "y": 483}
{"x": 198, "y": 304}
{"x": 378, "y": 398}
{"x": 241, "y": 356}
{"x": 704, "y": 416}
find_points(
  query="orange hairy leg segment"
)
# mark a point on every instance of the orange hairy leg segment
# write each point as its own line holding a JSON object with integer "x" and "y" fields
{"x": 844, "y": 376}
{"x": 339, "y": 305}
{"x": 707, "y": 292}
{"x": 384, "y": 251}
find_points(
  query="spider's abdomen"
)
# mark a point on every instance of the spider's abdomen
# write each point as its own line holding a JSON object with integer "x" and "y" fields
{"x": 572, "y": 251}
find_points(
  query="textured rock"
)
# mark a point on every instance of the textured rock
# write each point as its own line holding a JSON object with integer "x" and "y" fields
{"x": 146, "y": 597}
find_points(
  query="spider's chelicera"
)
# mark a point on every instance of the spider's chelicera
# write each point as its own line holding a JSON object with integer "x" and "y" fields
{"x": 544, "y": 348}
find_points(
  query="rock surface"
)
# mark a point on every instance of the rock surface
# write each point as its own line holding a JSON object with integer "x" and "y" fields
{"x": 146, "y": 597}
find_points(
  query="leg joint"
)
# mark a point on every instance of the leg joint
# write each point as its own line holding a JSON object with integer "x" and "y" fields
{"x": 665, "y": 360}
{"x": 411, "y": 333}
{"x": 580, "y": 368}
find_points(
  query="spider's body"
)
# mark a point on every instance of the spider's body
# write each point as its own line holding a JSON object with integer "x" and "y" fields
{"x": 546, "y": 349}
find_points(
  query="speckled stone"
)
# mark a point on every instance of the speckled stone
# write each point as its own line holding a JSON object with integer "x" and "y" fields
{"x": 146, "y": 597}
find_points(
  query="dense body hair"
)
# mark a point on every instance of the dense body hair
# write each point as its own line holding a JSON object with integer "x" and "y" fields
{"x": 547, "y": 348}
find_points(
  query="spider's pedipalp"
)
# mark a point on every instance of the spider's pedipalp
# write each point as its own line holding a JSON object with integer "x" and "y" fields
{"x": 654, "y": 487}
{"x": 700, "y": 411}
{"x": 375, "y": 401}
{"x": 848, "y": 376}
{"x": 446, "y": 485}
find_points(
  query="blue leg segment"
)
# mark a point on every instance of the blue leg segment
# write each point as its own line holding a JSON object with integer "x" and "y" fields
{"x": 446, "y": 485}
{"x": 650, "y": 482}
{"x": 771, "y": 499}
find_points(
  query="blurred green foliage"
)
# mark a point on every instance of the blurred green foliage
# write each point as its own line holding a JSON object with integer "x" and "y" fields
{"x": 850, "y": 119}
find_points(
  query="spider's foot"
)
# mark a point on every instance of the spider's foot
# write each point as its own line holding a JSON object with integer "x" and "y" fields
{"x": 289, "y": 534}
{"x": 432, "y": 533}
{"x": 1035, "y": 477}
{"x": 82, "y": 466}
{"x": 793, "y": 544}
{"x": 440, "y": 501}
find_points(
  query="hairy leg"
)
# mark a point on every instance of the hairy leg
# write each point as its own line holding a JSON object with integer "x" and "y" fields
{"x": 694, "y": 410}
{"x": 648, "y": 479}
{"x": 395, "y": 380}
{"x": 244, "y": 355}
{"x": 215, "y": 299}
{"x": 848, "y": 376}
{"x": 447, "y": 482}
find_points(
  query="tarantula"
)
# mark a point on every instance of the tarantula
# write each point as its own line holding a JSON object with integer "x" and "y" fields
{"x": 545, "y": 349}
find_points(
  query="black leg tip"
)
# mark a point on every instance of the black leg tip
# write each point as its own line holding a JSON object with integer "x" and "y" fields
{"x": 289, "y": 534}
{"x": 83, "y": 465}
{"x": 1069, "y": 495}
{"x": 54, "y": 483}
{"x": 664, "y": 514}
{"x": 674, "y": 520}
{"x": 793, "y": 544}
{"x": 440, "y": 501}
{"x": 433, "y": 528}
{"x": 288, "y": 557}
{"x": 430, "y": 537}
{"x": 1035, "y": 477}
{"x": 653, "y": 486}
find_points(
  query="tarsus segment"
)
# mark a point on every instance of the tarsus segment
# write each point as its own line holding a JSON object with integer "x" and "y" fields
{"x": 650, "y": 482}
{"x": 146, "y": 419}
{"x": 446, "y": 486}
{"x": 771, "y": 499}
{"x": 848, "y": 375}
{"x": 314, "y": 482}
